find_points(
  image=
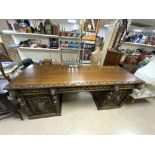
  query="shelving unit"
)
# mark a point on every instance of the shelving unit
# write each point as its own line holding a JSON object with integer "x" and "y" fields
{"x": 28, "y": 34}
{"x": 72, "y": 49}
{"x": 70, "y": 38}
{"x": 138, "y": 44}
{"x": 38, "y": 49}
{"x": 143, "y": 97}
{"x": 152, "y": 95}
{"x": 59, "y": 54}
{"x": 90, "y": 42}
{"x": 74, "y": 53}
{"x": 30, "y": 52}
{"x": 135, "y": 46}
{"x": 86, "y": 61}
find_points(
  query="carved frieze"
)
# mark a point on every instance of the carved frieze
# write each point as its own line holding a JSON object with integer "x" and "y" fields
{"x": 46, "y": 101}
{"x": 76, "y": 84}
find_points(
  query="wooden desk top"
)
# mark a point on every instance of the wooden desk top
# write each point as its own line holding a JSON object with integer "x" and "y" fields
{"x": 46, "y": 76}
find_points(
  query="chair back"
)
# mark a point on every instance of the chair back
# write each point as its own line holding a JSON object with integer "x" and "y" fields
{"x": 4, "y": 58}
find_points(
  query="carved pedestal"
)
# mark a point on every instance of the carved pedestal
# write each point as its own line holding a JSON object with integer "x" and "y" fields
{"x": 46, "y": 102}
{"x": 105, "y": 100}
{"x": 41, "y": 103}
{"x": 109, "y": 99}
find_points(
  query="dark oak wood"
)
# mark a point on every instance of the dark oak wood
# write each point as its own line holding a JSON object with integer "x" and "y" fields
{"x": 40, "y": 87}
{"x": 62, "y": 76}
{"x": 113, "y": 58}
{"x": 3, "y": 49}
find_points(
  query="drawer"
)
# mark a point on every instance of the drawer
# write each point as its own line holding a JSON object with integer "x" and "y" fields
{"x": 34, "y": 91}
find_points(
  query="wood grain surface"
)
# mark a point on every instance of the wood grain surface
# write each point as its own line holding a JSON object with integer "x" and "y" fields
{"x": 46, "y": 76}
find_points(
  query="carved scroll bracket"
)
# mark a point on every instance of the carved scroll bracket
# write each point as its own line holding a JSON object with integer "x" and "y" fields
{"x": 111, "y": 95}
{"x": 116, "y": 88}
{"x": 53, "y": 91}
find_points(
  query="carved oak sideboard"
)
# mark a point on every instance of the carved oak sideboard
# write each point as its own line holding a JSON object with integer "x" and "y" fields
{"x": 40, "y": 88}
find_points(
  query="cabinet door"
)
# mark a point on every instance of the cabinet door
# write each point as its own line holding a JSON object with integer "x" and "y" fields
{"x": 40, "y": 104}
{"x": 108, "y": 99}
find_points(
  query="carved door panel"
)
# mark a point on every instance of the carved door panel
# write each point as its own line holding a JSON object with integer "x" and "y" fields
{"x": 41, "y": 104}
{"x": 109, "y": 100}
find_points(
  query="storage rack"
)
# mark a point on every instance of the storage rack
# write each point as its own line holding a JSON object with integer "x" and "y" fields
{"x": 71, "y": 51}
{"x": 43, "y": 53}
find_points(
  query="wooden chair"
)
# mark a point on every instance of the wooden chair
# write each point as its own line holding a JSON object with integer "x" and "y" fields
{"x": 6, "y": 107}
{"x": 113, "y": 58}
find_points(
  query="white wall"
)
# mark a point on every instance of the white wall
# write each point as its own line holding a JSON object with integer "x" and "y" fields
{"x": 102, "y": 32}
{"x": 1, "y": 39}
{"x": 69, "y": 27}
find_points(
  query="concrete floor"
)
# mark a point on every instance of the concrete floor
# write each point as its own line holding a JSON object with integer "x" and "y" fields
{"x": 80, "y": 116}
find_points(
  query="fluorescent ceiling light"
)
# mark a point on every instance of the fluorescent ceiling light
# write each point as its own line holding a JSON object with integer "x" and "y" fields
{"x": 106, "y": 25}
{"x": 137, "y": 30}
{"x": 71, "y": 21}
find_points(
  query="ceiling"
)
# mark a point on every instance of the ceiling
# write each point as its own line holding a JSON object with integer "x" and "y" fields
{"x": 65, "y": 21}
{"x": 147, "y": 22}
{"x": 146, "y": 25}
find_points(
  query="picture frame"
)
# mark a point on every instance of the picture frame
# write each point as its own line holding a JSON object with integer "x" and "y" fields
{"x": 90, "y": 28}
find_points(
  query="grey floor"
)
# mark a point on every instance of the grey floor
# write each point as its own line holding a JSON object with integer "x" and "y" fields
{"x": 80, "y": 116}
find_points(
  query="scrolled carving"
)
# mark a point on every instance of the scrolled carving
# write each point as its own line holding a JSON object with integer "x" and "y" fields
{"x": 54, "y": 97}
{"x": 109, "y": 100}
{"x": 34, "y": 91}
{"x": 52, "y": 91}
{"x": 108, "y": 97}
{"x": 116, "y": 88}
{"x": 140, "y": 86}
{"x": 84, "y": 88}
{"x": 22, "y": 103}
{"x": 49, "y": 85}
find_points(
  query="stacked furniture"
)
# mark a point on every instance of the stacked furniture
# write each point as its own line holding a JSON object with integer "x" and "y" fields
{"x": 7, "y": 108}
